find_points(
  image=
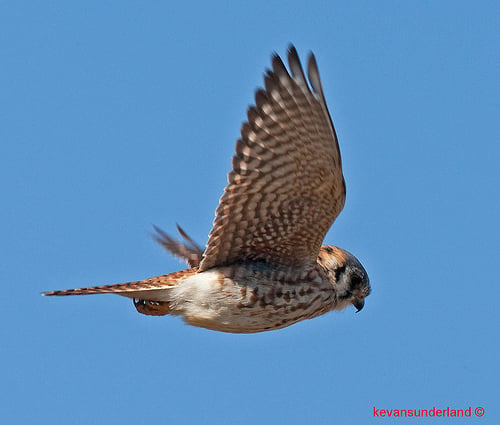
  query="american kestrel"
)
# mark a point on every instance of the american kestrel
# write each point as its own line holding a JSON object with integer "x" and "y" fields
{"x": 264, "y": 266}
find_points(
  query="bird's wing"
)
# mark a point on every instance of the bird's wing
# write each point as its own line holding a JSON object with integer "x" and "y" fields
{"x": 286, "y": 187}
{"x": 188, "y": 249}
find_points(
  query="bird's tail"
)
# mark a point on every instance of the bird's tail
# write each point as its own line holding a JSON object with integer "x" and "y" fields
{"x": 151, "y": 296}
{"x": 146, "y": 289}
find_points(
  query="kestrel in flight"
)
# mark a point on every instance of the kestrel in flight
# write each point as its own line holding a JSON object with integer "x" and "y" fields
{"x": 264, "y": 266}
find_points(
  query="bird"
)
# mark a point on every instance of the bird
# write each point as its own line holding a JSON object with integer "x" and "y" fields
{"x": 264, "y": 266}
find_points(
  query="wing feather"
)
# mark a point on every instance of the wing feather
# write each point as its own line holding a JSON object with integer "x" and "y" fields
{"x": 286, "y": 187}
{"x": 188, "y": 250}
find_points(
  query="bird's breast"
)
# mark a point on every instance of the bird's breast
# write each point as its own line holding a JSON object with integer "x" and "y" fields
{"x": 252, "y": 298}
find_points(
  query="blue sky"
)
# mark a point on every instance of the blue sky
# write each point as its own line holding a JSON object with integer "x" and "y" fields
{"x": 119, "y": 115}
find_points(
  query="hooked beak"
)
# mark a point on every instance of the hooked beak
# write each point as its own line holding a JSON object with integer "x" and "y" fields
{"x": 359, "y": 304}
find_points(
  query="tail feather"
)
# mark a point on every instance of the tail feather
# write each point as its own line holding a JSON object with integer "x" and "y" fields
{"x": 130, "y": 289}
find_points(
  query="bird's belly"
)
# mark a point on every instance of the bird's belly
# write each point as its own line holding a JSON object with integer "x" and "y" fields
{"x": 251, "y": 303}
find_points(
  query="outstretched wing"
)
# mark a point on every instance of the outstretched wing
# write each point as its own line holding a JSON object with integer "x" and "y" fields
{"x": 286, "y": 187}
{"x": 188, "y": 250}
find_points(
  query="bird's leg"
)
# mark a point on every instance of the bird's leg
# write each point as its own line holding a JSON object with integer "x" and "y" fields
{"x": 152, "y": 308}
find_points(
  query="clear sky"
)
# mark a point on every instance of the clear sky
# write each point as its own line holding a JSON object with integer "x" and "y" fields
{"x": 118, "y": 115}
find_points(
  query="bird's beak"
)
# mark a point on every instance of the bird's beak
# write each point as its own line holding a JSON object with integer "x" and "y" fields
{"x": 359, "y": 304}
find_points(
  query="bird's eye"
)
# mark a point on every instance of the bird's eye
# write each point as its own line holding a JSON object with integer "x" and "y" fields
{"x": 355, "y": 281}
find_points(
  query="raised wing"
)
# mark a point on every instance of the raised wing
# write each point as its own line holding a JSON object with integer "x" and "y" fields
{"x": 286, "y": 187}
{"x": 188, "y": 250}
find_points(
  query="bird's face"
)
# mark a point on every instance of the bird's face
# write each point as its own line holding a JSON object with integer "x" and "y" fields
{"x": 359, "y": 287}
{"x": 348, "y": 277}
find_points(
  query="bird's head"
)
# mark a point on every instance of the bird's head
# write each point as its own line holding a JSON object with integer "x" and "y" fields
{"x": 347, "y": 275}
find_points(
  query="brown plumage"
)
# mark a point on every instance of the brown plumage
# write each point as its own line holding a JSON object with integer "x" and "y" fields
{"x": 264, "y": 266}
{"x": 286, "y": 187}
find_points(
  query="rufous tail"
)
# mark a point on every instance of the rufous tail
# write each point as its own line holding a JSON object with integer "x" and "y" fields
{"x": 129, "y": 289}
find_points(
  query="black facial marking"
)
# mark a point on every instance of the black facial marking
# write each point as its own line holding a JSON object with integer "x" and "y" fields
{"x": 338, "y": 272}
